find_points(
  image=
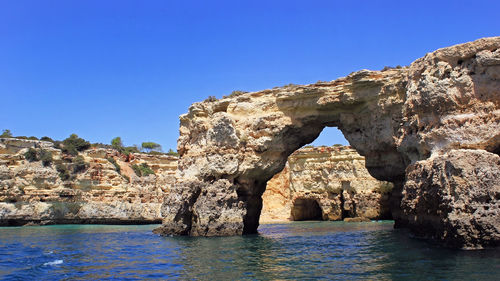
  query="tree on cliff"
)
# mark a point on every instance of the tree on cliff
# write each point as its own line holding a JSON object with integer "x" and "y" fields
{"x": 6, "y": 134}
{"x": 172, "y": 153}
{"x": 117, "y": 144}
{"x": 151, "y": 146}
{"x": 73, "y": 144}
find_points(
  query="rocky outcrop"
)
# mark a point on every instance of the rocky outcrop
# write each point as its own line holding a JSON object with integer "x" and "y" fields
{"x": 454, "y": 198}
{"x": 332, "y": 178}
{"x": 231, "y": 147}
{"x": 31, "y": 192}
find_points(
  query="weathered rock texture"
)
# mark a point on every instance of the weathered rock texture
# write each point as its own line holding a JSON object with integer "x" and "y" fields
{"x": 231, "y": 147}
{"x": 333, "y": 178}
{"x": 461, "y": 191}
{"x": 33, "y": 193}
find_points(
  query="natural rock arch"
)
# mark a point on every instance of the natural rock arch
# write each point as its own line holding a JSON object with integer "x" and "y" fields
{"x": 400, "y": 119}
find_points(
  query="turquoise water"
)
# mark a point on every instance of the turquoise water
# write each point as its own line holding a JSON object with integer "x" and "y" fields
{"x": 299, "y": 250}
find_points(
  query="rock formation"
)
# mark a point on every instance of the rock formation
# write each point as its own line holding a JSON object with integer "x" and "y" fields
{"x": 400, "y": 120}
{"x": 455, "y": 198}
{"x": 326, "y": 183}
{"x": 31, "y": 192}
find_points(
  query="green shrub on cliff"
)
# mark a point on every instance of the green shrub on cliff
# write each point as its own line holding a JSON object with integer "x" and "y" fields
{"x": 391, "y": 67}
{"x": 113, "y": 161}
{"x": 26, "y": 138}
{"x": 45, "y": 157}
{"x": 63, "y": 172}
{"x": 210, "y": 99}
{"x": 142, "y": 170}
{"x": 156, "y": 153}
{"x": 117, "y": 144}
{"x": 71, "y": 150}
{"x": 42, "y": 155}
{"x": 79, "y": 164}
{"x": 31, "y": 155}
{"x": 130, "y": 149}
{"x": 137, "y": 170}
{"x": 67, "y": 171}
{"x": 172, "y": 153}
{"x": 45, "y": 138}
{"x": 73, "y": 144}
{"x": 126, "y": 178}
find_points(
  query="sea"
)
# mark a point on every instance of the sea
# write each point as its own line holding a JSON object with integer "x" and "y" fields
{"x": 319, "y": 250}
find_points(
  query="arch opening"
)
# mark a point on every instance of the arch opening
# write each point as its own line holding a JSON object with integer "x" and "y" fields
{"x": 321, "y": 181}
{"x": 305, "y": 209}
{"x": 330, "y": 136}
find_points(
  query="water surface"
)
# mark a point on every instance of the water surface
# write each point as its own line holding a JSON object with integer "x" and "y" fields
{"x": 299, "y": 250}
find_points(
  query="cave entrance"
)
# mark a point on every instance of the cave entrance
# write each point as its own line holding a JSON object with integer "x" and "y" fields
{"x": 305, "y": 209}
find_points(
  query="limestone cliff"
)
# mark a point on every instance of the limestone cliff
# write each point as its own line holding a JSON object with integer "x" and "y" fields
{"x": 31, "y": 192}
{"x": 400, "y": 120}
{"x": 331, "y": 180}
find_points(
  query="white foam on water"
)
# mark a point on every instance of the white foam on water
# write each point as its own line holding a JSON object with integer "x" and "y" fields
{"x": 54, "y": 262}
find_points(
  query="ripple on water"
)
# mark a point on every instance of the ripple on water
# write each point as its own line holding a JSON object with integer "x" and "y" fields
{"x": 301, "y": 250}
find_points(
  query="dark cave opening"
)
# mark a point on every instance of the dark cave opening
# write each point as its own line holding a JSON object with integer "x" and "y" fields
{"x": 306, "y": 209}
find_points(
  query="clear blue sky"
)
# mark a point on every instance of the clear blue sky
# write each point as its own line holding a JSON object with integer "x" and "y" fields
{"x": 102, "y": 69}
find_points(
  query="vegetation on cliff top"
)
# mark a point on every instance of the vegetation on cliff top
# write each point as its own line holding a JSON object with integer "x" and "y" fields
{"x": 6, "y": 134}
{"x": 74, "y": 144}
{"x": 151, "y": 146}
{"x": 172, "y": 153}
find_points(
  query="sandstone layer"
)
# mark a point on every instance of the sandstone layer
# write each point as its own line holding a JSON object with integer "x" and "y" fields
{"x": 447, "y": 100}
{"x": 32, "y": 193}
{"x": 333, "y": 180}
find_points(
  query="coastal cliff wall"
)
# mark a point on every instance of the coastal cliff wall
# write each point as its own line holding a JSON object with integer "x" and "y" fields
{"x": 334, "y": 179}
{"x": 403, "y": 120}
{"x": 34, "y": 193}
{"x": 101, "y": 187}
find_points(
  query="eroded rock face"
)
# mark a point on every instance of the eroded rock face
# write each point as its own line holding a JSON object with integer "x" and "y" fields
{"x": 447, "y": 100}
{"x": 33, "y": 193}
{"x": 333, "y": 177}
{"x": 454, "y": 198}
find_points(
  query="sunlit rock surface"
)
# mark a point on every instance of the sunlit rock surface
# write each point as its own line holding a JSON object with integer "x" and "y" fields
{"x": 31, "y": 193}
{"x": 231, "y": 147}
{"x": 335, "y": 178}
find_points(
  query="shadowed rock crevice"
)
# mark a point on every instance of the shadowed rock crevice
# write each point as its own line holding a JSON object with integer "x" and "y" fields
{"x": 395, "y": 118}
